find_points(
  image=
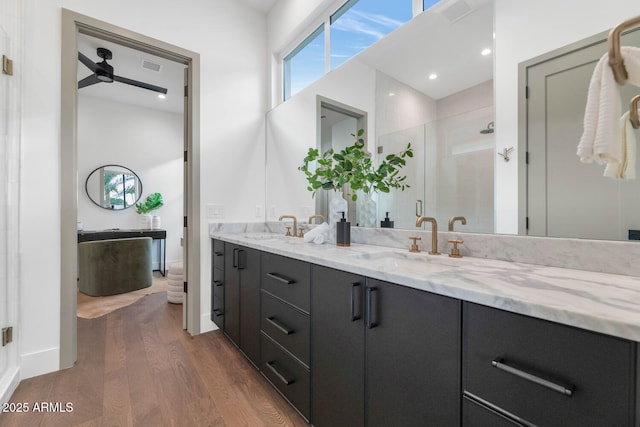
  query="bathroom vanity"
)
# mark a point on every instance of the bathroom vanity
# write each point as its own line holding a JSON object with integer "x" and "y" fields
{"x": 377, "y": 336}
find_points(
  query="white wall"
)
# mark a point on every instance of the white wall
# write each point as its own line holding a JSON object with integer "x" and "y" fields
{"x": 524, "y": 30}
{"x": 231, "y": 39}
{"x": 147, "y": 141}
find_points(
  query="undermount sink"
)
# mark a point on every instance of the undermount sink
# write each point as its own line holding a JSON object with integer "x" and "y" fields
{"x": 408, "y": 261}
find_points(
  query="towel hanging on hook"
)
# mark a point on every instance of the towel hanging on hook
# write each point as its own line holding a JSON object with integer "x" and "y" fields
{"x": 634, "y": 118}
{"x": 615, "y": 54}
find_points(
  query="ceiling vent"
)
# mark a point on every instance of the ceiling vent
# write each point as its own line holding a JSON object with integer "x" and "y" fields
{"x": 151, "y": 65}
{"x": 454, "y": 10}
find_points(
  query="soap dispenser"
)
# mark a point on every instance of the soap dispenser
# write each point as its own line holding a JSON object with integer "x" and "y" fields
{"x": 387, "y": 223}
{"x": 343, "y": 232}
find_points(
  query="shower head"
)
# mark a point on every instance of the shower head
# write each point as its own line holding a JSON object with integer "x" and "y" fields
{"x": 489, "y": 129}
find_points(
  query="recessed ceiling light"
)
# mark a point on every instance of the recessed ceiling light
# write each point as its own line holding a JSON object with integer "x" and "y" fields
{"x": 433, "y": 76}
{"x": 486, "y": 52}
{"x": 162, "y": 96}
{"x": 392, "y": 94}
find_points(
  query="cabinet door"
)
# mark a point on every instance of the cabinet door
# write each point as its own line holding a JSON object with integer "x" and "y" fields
{"x": 249, "y": 267}
{"x": 232, "y": 292}
{"x": 412, "y": 357}
{"x": 337, "y": 348}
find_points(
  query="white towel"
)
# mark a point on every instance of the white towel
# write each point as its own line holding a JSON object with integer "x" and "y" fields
{"x": 626, "y": 168}
{"x": 318, "y": 234}
{"x": 601, "y": 139}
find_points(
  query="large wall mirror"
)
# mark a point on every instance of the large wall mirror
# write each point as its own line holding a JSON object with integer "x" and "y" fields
{"x": 113, "y": 187}
{"x": 459, "y": 122}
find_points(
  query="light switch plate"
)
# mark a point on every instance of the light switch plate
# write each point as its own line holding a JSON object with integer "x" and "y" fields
{"x": 215, "y": 211}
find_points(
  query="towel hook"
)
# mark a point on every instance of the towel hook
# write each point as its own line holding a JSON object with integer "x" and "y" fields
{"x": 615, "y": 54}
{"x": 633, "y": 112}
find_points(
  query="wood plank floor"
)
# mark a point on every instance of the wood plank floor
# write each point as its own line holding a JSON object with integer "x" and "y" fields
{"x": 137, "y": 367}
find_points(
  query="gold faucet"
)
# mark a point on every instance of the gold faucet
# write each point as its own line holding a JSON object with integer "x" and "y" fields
{"x": 434, "y": 233}
{"x": 320, "y": 217}
{"x": 453, "y": 219}
{"x": 295, "y": 223}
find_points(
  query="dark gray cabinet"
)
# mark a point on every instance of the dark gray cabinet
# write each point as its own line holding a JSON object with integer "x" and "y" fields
{"x": 242, "y": 299}
{"x": 285, "y": 328}
{"x": 382, "y": 354}
{"x": 217, "y": 283}
{"x": 544, "y": 373}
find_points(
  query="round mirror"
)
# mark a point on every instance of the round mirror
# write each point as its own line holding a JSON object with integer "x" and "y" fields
{"x": 113, "y": 187}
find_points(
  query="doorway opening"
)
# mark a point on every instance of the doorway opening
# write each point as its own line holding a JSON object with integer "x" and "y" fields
{"x": 74, "y": 26}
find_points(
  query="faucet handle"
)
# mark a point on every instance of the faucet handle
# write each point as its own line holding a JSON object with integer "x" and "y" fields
{"x": 455, "y": 252}
{"x": 414, "y": 245}
{"x": 288, "y": 233}
{"x": 300, "y": 231}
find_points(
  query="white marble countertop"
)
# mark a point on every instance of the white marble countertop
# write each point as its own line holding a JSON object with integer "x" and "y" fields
{"x": 601, "y": 302}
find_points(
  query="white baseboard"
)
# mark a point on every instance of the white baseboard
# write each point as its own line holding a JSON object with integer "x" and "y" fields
{"x": 40, "y": 362}
{"x": 206, "y": 325}
{"x": 8, "y": 384}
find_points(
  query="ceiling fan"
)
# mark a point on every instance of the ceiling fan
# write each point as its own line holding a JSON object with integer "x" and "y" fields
{"x": 103, "y": 72}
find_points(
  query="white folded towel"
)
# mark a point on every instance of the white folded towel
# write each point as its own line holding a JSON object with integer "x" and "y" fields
{"x": 601, "y": 139}
{"x": 626, "y": 168}
{"x": 318, "y": 234}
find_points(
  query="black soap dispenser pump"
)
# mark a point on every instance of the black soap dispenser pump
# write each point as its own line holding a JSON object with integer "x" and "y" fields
{"x": 387, "y": 223}
{"x": 343, "y": 231}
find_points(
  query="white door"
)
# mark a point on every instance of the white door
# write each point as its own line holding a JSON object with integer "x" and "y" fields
{"x": 600, "y": 208}
{"x": 9, "y": 91}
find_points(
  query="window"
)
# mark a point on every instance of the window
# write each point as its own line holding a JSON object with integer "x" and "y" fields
{"x": 360, "y": 23}
{"x": 356, "y": 25}
{"x": 428, "y": 3}
{"x": 305, "y": 64}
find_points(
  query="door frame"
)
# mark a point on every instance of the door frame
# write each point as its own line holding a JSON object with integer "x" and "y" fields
{"x": 72, "y": 24}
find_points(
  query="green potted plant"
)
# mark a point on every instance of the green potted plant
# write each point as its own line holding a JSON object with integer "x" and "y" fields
{"x": 152, "y": 202}
{"x": 353, "y": 165}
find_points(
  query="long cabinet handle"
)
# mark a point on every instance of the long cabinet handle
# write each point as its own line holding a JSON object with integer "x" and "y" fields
{"x": 280, "y": 326}
{"x": 500, "y": 364}
{"x": 370, "y": 322}
{"x": 355, "y": 316}
{"x": 282, "y": 279}
{"x": 273, "y": 366}
{"x": 235, "y": 257}
{"x": 218, "y": 282}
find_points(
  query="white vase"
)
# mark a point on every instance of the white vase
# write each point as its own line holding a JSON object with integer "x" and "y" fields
{"x": 155, "y": 222}
{"x": 367, "y": 211}
{"x": 337, "y": 205}
{"x": 144, "y": 221}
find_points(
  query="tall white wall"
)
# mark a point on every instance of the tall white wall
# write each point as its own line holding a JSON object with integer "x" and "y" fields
{"x": 150, "y": 143}
{"x": 524, "y": 30}
{"x": 231, "y": 41}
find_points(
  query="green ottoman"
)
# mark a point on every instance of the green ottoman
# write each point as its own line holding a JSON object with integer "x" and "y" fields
{"x": 110, "y": 267}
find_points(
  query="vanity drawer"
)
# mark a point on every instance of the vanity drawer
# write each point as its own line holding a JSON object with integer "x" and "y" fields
{"x": 289, "y": 376}
{"x": 288, "y": 279}
{"x": 286, "y": 325}
{"x": 476, "y": 415}
{"x": 546, "y": 373}
{"x": 217, "y": 255}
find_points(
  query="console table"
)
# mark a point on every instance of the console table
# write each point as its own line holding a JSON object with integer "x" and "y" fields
{"x": 116, "y": 233}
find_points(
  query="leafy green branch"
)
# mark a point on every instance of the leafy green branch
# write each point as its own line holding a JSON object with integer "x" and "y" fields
{"x": 353, "y": 165}
{"x": 153, "y": 202}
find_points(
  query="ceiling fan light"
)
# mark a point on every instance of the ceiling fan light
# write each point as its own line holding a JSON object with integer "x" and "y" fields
{"x": 162, "y": 96}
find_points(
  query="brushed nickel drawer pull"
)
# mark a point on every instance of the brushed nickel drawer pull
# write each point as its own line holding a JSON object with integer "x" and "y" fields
{"x": 281, "y": 279}
{"x": 280, "y": 326}
{"x": 273, "y": 366}
{"x": 500, "y": 364}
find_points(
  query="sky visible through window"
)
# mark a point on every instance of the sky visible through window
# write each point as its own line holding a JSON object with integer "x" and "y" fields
{"x": 366, "y": 22}
{"x": 357, "y": 26}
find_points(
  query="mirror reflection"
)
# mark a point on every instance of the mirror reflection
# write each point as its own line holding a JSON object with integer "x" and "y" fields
{"x": 442, "y": 117}
{"x": 113, "y": 187}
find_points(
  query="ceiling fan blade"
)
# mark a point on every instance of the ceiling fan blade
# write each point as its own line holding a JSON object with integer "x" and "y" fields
{"x": 140, "y": 84}
{"x": 88, "y": 81}
{"x": 87, "y": 62}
